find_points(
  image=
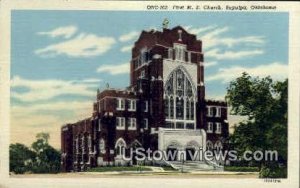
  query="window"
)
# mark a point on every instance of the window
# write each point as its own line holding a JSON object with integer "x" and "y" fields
{"x": 99, "y": 124}
{"x": 132, "y": 124}
{"x": 170, "y": 125}
{"x": 142, "y": 74}
{"x": 145, "y": 123}
{"x": 170, "y": 53}
{"x": 131, "y": 105}
{"x": 90, "y": 142}
{"x": 190, "y": 126}
{"x": 209, "y": 145}
{"x": 218, "y": 146}
{"x": 121, "y": 104}
{"x": 180, "y": 100}
{"x": 144, "y": 56}
{"x": 218, "y": 112}
{"x": 120, "y": 123}
{"x": 180, "y": 125}
{"x": 145, "y": 106}
{"x": 102, "y": 146}
{"x": 180, "y": 52}
{"x": 209, "y": 127}
{"x": 120, "y": 147}
{"x": 189, "y": 57}
{"x": 218, "y": 128}
{"x": 210, "y": 112}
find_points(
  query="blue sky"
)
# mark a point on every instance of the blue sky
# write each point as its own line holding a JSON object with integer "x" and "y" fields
{"x": 60, "y": 58}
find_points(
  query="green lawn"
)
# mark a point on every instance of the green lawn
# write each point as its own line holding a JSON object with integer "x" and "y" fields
{"x": 119, "y": 168}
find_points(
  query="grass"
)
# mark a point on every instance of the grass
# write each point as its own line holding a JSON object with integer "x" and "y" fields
{"x": 119, "y": 169}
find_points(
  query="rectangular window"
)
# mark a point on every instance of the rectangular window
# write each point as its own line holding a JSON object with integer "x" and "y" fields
{"x": 142, "y": 74}
{"x": 209, "y": 111}
{"x": 170, "y": 125}
{"x": 179, "y": 52}
{"x": 120, "y": 123}
{"x": 99, "y": 124}
{"x": 145, "y": 106}
{"x": 132, "y": 124}
{"x": 218, "y": 112}
{"x": 218, "y": 128}
{"x": 179, "y": 125}
{"x": 209, "y": 127}
{"x": 90, "y": 142}
{"x": 189, "y": 56}
{"x": 190, "y": 126}
{"x": 121, "y": 104}
{"x": 145, "y": 123}
{"x": 170, "y": 53}
{"x": 131, "y": 105}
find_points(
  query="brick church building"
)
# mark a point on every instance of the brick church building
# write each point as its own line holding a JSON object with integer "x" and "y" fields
{"x": 164, "y": 108}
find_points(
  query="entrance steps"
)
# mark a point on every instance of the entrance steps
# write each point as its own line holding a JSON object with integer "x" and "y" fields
{"x": 189, "y": 166}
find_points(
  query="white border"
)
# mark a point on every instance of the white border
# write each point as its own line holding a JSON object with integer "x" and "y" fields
{"x": 293, "y": 121}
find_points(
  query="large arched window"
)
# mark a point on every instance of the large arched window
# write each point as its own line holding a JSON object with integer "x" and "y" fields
{"x": 180, "y": 101}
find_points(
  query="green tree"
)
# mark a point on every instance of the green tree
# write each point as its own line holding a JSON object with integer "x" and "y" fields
{"x": 40, "y": 158}
{"x": 48, "y": 158}
{"x": 264, "y": 102}
{"x": 21, "y": 158}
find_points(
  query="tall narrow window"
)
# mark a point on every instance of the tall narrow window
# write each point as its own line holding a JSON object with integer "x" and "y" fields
{"x": 218, "y": 128}
{"x": 171, "y": 108}
{"x": 218, "y": 111}
{"x": 180, "y": 52}
{"x": 170, "y": 53}
{"x": 121, "y": 104}
{"x": 209, "y": 127}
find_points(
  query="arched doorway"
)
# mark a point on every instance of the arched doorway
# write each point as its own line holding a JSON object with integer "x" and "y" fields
{"x": 172, "y": 151}
{"x": 190, "y": 150}
{"x": 133, "y": 146}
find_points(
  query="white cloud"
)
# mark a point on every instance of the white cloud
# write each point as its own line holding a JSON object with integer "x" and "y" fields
{"x": 66, "y": 32}
{"x": 199, "y": 30}
{"x": 83, "y": 45}
{"x": 126, "y": 48}
{"x": 216, "y": 54}
{"x": 277, "y": 71}
{"x": 115, "y": 69}
{"x": 48, "y": 89}
{"x": 213, "y": 36}
{"x": 128, "y": 36}
{"x": 210, "y": 64}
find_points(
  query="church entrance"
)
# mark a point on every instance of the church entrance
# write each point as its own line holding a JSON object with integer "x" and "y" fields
{"x": 171, "y": 154}
{"x": 190, "y": 152}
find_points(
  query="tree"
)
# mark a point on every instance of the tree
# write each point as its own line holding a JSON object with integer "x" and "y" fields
{"x": 48, "y": 158}
{"x": 264, "y": 102}
{"x": 40, "y": 158}
{"x": 21, "y": 158}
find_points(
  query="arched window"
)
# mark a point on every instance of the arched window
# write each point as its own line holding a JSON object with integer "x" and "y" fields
{"x": 218, "y": 146}
{"x": 180, "y": 99}
{"x": 102, "y": 146}
{"x": 120, "y": 147}
{"x": 209, "y": 146}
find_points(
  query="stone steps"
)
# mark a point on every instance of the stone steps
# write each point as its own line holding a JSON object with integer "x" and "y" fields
{"x": 189, "y": 166}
